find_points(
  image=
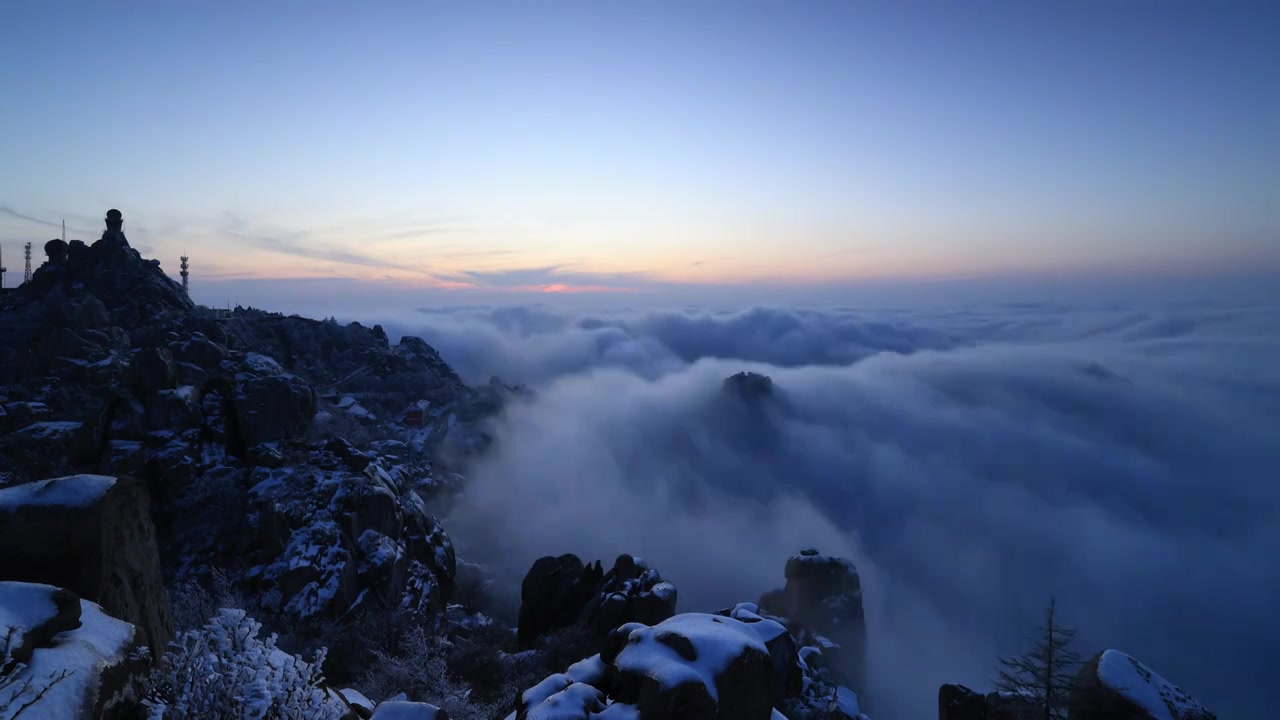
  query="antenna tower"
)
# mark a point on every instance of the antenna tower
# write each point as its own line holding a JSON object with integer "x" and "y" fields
{"x": 64, "y": 230}
{"x": 26, "y": 273}
{"x": 184, "y": 274}
{"x": 2, "y": 269}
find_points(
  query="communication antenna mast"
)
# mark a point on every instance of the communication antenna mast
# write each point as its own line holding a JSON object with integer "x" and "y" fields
{"x": 184, "y": 274}
{"x": 64, "y": 230}
{"x": 2, "y": 269}
{"x": 26, "y": 273}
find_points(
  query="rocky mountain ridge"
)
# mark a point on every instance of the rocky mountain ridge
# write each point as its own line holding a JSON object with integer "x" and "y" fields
{"x": 148, "y": 445}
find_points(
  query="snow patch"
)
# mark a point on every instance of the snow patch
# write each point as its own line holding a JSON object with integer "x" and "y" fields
{"x": 69, "y": 669}
{"x": 1141, "y": 685}
{"x": 717, "y": 641}
{"x": 70, "y": 491}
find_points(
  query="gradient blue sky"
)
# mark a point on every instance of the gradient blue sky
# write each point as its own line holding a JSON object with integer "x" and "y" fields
{"x": 566, "y": 145}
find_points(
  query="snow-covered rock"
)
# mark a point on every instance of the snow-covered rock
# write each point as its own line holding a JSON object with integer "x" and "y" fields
{"x": 92, "y": 535}
{"x": 1116, "y": 686}
{"x": 78, "y": 672}
{"x": 691, "y": 666}
{"x": 326, "y": 533}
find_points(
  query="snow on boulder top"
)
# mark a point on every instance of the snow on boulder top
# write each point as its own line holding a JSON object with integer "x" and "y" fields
{"x": 262, "y": 364}
{"x": 70, "y": 491}
{"x": 715, "y": 642}
{"x": 77, "y": 658}
{"x": 1142, "y": 686}
{"x": 24, "y": 606}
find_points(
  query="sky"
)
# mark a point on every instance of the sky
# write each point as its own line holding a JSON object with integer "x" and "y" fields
{"x": 508, "y": 149}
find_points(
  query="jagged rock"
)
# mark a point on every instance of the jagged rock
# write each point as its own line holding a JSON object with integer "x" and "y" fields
{"x": 174, "y": 410}
{"x": 78, "y": 661}
{"x": 630, "y": 592}
{"x": 201, "y": 352}
{"x": 105, "y": 546}
{"x": 554, "y": 594}
{"x": 275, "y": 407}
{"x": 824, "y": 594}
{"x": 151, "y": 369}
{"x": 560, "y": 591}
{"x": 957, "y": 702}
{"x": 1115, "y": 686}
{"x": 372, "y": 533}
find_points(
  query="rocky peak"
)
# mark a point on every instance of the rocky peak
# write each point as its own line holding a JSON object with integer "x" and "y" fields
{"x": 127, "y": 285}
{"x": 749, "y": 386}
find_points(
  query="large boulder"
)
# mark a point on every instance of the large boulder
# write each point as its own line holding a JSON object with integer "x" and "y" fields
{"x": 90, "y": 534}
{"x": 824, "y": 593}
{"x": 151, "y": 369}
{"x": 735, "y": 664}
{"x": 694, "y": 667}
{"x": 1116, "y": 686}
{"x": 74, "y": 661}
{"x": 554, "y": 594}
{"x": 274, "y": 407}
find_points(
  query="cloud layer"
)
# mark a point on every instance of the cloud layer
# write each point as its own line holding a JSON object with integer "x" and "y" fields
{"x": 972, "y": 462}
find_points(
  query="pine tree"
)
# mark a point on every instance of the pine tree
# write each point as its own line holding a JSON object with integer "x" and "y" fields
{"x": 1044, "y": 674}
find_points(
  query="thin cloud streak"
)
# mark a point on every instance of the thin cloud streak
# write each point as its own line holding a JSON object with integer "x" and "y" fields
{"x": 552, "y": 276}
{"x": 7, "y": 210}
{"x": 289, "y": 245}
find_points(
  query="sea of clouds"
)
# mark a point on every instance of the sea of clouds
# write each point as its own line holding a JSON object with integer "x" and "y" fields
{"x": 973, "y": 462}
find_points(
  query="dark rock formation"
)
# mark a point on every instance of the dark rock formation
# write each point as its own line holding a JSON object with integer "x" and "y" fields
{"x": 560, "y": 591}
{"x": 749, "y": 386}
{"x": 630, "y": 592}
{"x": 554, "y": 594}
{"x": 1115, "y": 686}
{"x": 92, "y": 535}
{"x": 824, "y": 594}
{"x": 957, "y": 702}
{"x": 274, "y": 407}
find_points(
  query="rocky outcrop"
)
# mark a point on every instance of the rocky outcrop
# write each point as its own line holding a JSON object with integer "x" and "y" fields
{"x": 560, "y": 591}
{"x": 824, "y": 593}
{"x": 66, "y": 659}
{"x": 630, "y": 592}
{"x": 749, "y": 386}
{"x": 334, "y": 526}
{"x": 957, "y": 702}
{"x": 554, "y": 594}
{"x": 692, "y": 666}
{"x": 92, "y": 535}
{"x": 1116, "y": 686}
{"x": 273, "y": 407}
